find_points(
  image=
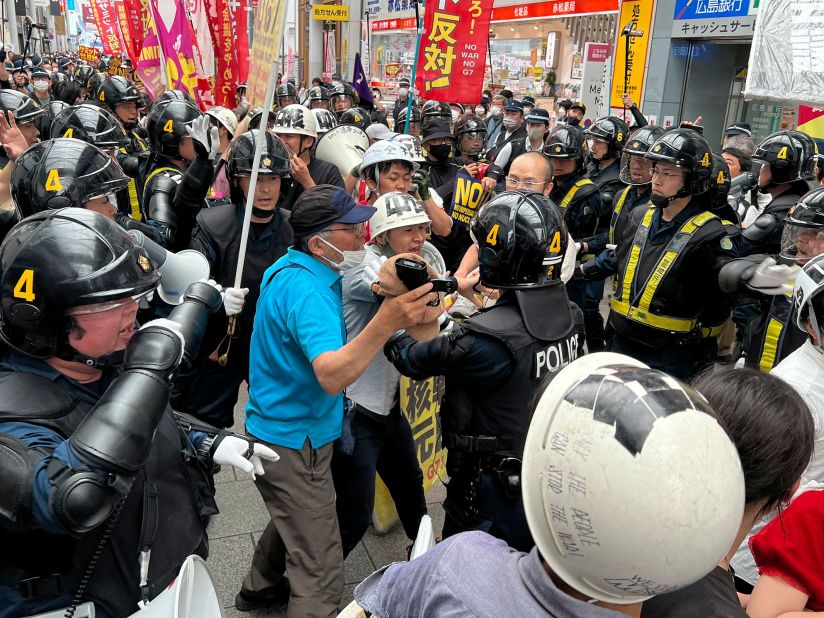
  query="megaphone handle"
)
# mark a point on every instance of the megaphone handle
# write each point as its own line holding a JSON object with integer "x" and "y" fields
{"x": 216, "y": 356}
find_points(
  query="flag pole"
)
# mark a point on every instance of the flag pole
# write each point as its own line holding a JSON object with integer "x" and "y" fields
{"x": 415, "y": 65}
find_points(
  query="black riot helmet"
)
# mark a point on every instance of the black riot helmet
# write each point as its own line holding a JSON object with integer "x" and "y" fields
{"x": 803, "y": 235}
{"x": 318, "y": 98}
{"x": 116, "y": 90}
{"x": 469, "y": 123}
{"x": 356, "y": 116}
{"x": 95, "y": 83}
{"x": 469, "y": 132}
{"x": 719, "y": 185}
{"x": 167, "y": 123}
{"x": 791, "y": 156}
{"x": 91, "y": 124}
{"x": 565, "y": 142}
{"x": 434, "y": 110}
{"x": 174, "y": 95}
{"x": 82, "y": 74}
{"x": 50, "y": 112}
{"x": 687, "y": 150}
{"x": 286, "y": 94}
{"x": 636, "y": 148}
{"x": 24, "y": 108}
{"x": 340, "y": 94}
{"x": 61, "y": 173}
{"x": 415, "y": 118}
{"x": 274, "y": 160}
{"x": 522, "y": 240}
{"x": 611, "y": 130}
{"x": 59, "y": 262}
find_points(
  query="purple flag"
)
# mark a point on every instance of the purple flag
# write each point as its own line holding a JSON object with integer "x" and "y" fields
{"x": 360, "y": 82}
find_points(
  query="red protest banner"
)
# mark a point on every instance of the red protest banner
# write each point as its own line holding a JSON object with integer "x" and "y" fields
{"x": 228, "y": 26}
{"x": 130, "y": 19}
{"x": 453, "y": 50}
{"x": 106, "y": 20}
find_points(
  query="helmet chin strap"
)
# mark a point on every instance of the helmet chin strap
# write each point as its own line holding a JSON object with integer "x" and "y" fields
{"x": 766, "y": 188}
{"x": 112, "y": 359}
{"x": 663, "y": 201}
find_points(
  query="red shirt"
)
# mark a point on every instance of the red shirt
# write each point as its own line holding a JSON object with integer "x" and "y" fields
{"x": 791, "y": 547}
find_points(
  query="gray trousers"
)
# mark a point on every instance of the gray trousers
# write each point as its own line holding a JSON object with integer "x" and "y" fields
{"x": 302, "y": 539}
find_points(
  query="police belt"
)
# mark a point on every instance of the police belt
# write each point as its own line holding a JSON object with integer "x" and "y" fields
{"x": 471, "y": 444}
{"x": 639, "y": 311}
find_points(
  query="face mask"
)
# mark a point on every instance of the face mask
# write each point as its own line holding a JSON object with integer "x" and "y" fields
{"x": 535, "y": 133}
{"x": 455, "y": 115}
{"x": 41, "y": 85}
{"x": 479, "y": 111}
{"x": 403, "y": 91}
{"x": 376, "y": 97}
{"x": 350, "y": 258}
{"x": 496, "y": 111}
{"x": 441, "y": 152}
{"x": 510, "y": 123}
{"x": 527, "y": 109}
{"x": 572, "y": 121}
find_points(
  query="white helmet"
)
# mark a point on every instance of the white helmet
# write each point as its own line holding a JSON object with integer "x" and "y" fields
{"x": 396, "y": 209}
{"x": 413, "y": 145}
{"x": 383, "y": 151}
{"x": 324, "y": 120}
{"x": 809, "y": 282}
{"x": 631, "y": 487}
{"x": 296, "y": 120}
{"x": 225, "y": 117}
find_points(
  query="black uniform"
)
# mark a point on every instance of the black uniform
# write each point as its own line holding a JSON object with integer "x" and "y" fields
{"x": 211, "y": 392}
{"x": 322, "y": 172}
{"x": 764, "y": 234}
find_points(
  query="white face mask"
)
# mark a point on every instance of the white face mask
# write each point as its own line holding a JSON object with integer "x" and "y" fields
{"x": 41, "y": 85}
{"x": 535, "y": 133}
{"x": 351, "y": 259}
{"x": 527, "y": 109}
{"x": 496, "y": 110}
{"x": 403, "y": 91}
{"x": 455, "y": 115}
{"x": 510, "y": 123}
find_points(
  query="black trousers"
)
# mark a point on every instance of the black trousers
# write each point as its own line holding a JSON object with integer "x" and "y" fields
{"x": 383, "y": 444}
{"x": 211, "y": 392}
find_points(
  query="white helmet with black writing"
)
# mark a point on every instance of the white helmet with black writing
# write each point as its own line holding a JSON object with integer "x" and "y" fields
{"x": 631, "y": 487}
{"x": 809, "y": 283}
{"x": 296, "y": 120}
{"x": 394, "y": 210}
{"x": 384, "y": 151}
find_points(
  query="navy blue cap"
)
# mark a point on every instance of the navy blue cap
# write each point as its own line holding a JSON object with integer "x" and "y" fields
{"x": 529, "y": 100}
{"x": 739, "y": 128}
{"x": 536, "y": 116}
{"x": 324, "y": 205}
{"x": 514, "y": 106}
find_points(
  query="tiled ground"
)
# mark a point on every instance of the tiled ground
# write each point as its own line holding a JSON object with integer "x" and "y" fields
{"x": 243, "y": 517}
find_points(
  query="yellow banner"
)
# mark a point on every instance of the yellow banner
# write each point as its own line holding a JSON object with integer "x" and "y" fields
{"x": 330, "y": 12}
{"x": 421, "y": 404}
{"x": 640, "y": 13}
{"x": 269, "y": 19}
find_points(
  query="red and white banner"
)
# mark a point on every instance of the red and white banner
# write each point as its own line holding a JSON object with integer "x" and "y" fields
{"x": 228, "y": 26}
{"x": 130, "y": 18}
{"x": 199, "y": 18}
{"x": 105, "y": 17}
{"x": 453, "y": 50}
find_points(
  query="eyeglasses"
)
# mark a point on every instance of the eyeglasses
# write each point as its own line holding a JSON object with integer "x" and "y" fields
{"x": 357, "y": 229}
{"x": 532, "y": 185}
{"x": 666, "y": 173}
{"x": 444, "y": 141}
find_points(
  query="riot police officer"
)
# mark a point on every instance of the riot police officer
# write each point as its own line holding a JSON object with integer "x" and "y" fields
{"x": 494, "y": 360}
{"x": 50, "y": 111}
{"x": 212, "y": 391}
{"x": 286, "y": 94}
{"x": 415, "y": 126}
{"x": 318, "y": 98}
{"x": 342, "y": 97}
{"x": 677, "y": 276}
{"x": 26, "y": 114}
{"x": 123, "y": 99}
{"x": 580, "y": 201}
{"x": 179, "y": 170}
{"x": 788, "y": 162}
{"x": 356, "y": 116}
{"x": 470, "y": 132}
{"x": 103, "y": 492}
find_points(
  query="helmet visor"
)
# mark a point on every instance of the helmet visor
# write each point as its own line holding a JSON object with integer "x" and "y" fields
{"x": 107, "y": 306}
{"x": 636, "y": 169}
{"x": 801, "y": 243}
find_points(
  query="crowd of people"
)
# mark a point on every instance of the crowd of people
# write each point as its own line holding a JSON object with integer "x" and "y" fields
{"x": 666, "y": 460}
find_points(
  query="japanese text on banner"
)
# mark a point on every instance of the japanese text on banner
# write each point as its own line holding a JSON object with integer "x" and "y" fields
{"x": 106, "y": 19}
{"x": 269, "y": 17}
{"x": 453, "y": 50}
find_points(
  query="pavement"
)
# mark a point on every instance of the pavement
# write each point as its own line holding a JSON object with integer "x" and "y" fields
{"x": 235, "y": 531}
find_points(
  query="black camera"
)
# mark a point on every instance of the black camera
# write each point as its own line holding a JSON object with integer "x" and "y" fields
{"x": 413, "y": 274}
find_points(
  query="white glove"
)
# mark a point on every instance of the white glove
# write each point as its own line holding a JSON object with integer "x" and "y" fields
{"x": 233, "y": 300}
{"x": 214, "y": 143}
{"x": 244, "y": 455}
{"x": 171, "y": 326}
{"x": 771, "y": 278}
{"x": 371, "y": 265}
{"x": 214, "y": 284}
{"x": 611, "y": 247}
{"x": 199, "y": 131}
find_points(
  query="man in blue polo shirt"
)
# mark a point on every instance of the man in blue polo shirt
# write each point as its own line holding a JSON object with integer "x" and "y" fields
{"x": 298, "y": 367}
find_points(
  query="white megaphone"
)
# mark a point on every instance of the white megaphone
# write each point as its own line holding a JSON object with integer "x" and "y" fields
{"x": 343, "y": 147}
{"x": 177, "y": 270}
{"x": 191, "y": 595}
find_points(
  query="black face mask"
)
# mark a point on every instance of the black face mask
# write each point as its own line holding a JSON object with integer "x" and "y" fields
{"x": 261, "y": 213}
{"x": 572, "y": 121}
{"x": 441, "y": 152}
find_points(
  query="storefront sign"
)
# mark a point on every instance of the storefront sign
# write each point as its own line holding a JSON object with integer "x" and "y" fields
{"x": 88, "y": 54}
{"x": 714, "y": 19}
{"x": 593, "y": 90}
{"x": 384, "y": 10}
{"x": 392, "y": 70}
{"x": 632, "y": 67}
{"x": 453, "y": 51}
{"x": 552, "y": 41}
{"x": 392, "y": 24}
{"x": 553, "y": 8}
{"x": 330, "y": 12}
